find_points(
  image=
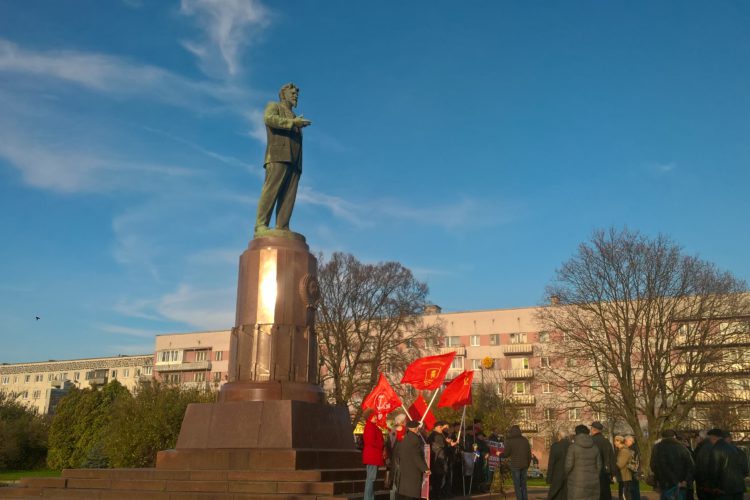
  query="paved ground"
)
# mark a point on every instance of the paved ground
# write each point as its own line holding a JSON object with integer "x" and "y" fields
{"x": 541, "y": 494}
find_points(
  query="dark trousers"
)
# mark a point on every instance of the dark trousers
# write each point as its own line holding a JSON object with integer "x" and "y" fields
{"x": 280, "y": 191}
{"x": 635, "y": 490}
{"x": 604, "y": 492}
{"x": 519, "y": 483}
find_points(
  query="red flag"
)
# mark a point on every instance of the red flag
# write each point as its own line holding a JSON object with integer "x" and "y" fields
{"x": 382, "y": 399}
{"x": 428, "y": 373}
{"x": 458, "y": 392}
{"x": 417, "y": 409}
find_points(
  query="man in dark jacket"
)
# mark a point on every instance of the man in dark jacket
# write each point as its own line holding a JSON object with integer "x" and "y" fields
{"x": 556, "y": 468}
{"x": 671, "y": 464}
{"x": 727, "y": 469}
{"x": 410, "y": 453}
{"x": 607, "y": 453}
{"x": 518, "y": 451}
{"x": 438, "y": 459}
{"x": 703, "y": 486}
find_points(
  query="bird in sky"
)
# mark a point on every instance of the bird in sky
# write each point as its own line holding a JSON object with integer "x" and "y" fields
{"x": 37, "y": 318}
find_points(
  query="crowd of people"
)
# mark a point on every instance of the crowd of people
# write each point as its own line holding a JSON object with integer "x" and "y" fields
{"x": 582, "y": 466}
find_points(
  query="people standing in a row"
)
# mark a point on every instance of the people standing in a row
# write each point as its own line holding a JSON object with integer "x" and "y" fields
{"x": 672, "y": 466}
{"x": 721, "y": 467}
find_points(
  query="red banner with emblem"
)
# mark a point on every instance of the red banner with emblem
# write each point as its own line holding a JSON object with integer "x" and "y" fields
{"x": 383, "y": 399}
{"x": 427, "y": 374}
{"x": 458, "y": 392}
{"x": 418, "y": 408}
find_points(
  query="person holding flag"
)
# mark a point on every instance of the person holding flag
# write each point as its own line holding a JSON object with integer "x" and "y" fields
{"x": 377, "y": 405}
{"x": 373, "y": 453}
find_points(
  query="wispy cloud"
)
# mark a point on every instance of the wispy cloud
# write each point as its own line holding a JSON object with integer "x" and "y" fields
{"x": 229, "y": 26}
{"x": 115, "y": 75}
{"x": 198, "y": 307}
{"x": 661, "y": 168}
{"x": 126, "y": 330}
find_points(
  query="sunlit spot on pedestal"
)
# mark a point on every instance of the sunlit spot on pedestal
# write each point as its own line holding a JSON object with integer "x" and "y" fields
{"x": 267, "y": 286}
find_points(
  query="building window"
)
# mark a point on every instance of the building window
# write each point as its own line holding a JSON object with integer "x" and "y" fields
{"x": 547, "y": 388}
{"x": 495, "y": 339}
{"x": 169, "y": 356}
{"x": 114, "y": 374}
{"x": 38, "y": 378}
{"x": 172, "y": 378}
{"x": 519, "y": 363}
{"x": 573, "y": 387}
{"x": 549, "y": 414}
{"x": 474, "y": 340}
{"x": 25, "y": 394}
{"x": 77, "y": 376}
{"x": 574, "y": 414}
{"x": 15, "y": 379}
{"x": 36, "y": 394}
{"x": 219, "y": 355}
{"x": 147, "y": 370}
{"x": 523, "y": 414}
{"x": 201, "y": 355}
{"x": 27, "y": 379}
{"x": 50, "y": 377}
{"x": 543, "y": 337}
{"x": 476, "y": 364}
{"x": 458, "y": 363}
{"x": 453, "y": 341}
{"x": 519, "y": 388}
{"x": 199, "y": 376}
{"x": 571, "y": 362}
{"x": 126, "y": 372}
{"x": 545, "y": 362}
{"x": 6, "y": 380}
{"x": 517, "y": 338}
{"x": 217, "y": 376}
{"x": 64, "y": 376}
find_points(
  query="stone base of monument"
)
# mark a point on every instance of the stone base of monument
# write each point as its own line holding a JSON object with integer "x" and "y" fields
{"x": 280, "y": 449}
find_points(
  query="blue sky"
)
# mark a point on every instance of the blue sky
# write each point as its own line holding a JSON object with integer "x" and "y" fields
{"x": 475, "y": 142}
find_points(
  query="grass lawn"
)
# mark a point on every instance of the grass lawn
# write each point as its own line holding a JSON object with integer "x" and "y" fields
{"x": 13, "y": 475}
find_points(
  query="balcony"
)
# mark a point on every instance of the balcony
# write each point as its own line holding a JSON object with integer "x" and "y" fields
{"x": 512, "y": 349}
{"x": 527, "y": 426}
{"x": 184, "y": 367}
{"x": 523, "y": 399}
{"x": 460, "y": 350}
{"x": 517, "y": 374}
{"x": 729, "y": 397}
{"x": 96, "y": 381}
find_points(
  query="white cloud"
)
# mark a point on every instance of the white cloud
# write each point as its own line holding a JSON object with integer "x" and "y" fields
{"x": 229, "y": 26}
{"x": 257, "y": 126}
{"x": 119, "y": 76}
{"x": 126, "y": 330}
{"x": 203, "y": 308}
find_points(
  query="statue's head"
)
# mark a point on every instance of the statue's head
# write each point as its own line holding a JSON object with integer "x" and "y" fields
{"x": 289, "y": 93}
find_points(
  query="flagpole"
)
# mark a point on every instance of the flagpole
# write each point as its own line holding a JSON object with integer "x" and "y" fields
{"x": 407, "y": 411}
{"x": 463, "y": 417}
{"x": 428, "y": 407}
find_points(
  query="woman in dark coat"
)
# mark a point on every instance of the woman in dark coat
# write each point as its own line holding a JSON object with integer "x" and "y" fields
{"x": 582, "y": 465}
{"x": 411, "y": 463}
{"x": 556, "y": 468}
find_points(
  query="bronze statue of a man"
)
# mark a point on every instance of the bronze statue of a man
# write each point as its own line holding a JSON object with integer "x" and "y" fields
{"x": 283, "y": 162}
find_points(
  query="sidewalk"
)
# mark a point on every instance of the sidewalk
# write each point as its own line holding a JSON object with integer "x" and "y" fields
{"x": 541, "y": 494}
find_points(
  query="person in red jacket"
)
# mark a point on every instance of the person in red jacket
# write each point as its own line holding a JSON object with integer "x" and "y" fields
{"x": 373, "y": 454}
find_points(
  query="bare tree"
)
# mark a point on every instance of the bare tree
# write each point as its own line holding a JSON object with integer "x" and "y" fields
{"x": 637, "y": 330}
{"x": 369, "y": 320}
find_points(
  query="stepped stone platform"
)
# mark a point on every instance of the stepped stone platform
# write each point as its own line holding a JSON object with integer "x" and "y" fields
{"x": 240, "y": 474}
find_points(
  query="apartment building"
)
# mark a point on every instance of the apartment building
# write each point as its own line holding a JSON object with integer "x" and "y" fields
{"x": 40, "y": 385}
{"x": 519, "y": 355}
{"x": 197, "y": 359}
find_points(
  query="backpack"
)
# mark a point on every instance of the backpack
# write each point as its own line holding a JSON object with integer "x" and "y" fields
{"x": 634, "y": 464}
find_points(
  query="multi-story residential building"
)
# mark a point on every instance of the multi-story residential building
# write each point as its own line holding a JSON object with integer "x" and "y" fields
{"x": 40, "y": 385}
{"x": 522, "y": 355}
{"x": 199, "y": 359}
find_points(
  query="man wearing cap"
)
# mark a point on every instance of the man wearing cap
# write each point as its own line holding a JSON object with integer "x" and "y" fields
{"x": 438, "y": 459}
{"x": 410, "y": 456}
{"x": 672, "y": 466}
{"x": 727, "y": 469}
{"x": 609, "y": 465}
{"x": 703, "y": 485}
